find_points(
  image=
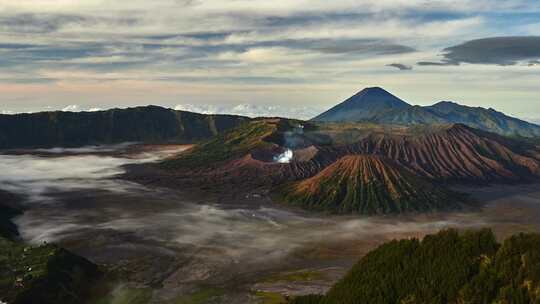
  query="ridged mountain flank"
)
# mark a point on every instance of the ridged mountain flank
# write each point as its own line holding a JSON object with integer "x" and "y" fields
{"x": 457, "y": 153}
{"x": 364, "y": 105}
{"x": 368, "y": 184}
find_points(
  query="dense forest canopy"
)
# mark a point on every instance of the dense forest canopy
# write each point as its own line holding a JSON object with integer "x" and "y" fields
{"x": 448, "y": 267}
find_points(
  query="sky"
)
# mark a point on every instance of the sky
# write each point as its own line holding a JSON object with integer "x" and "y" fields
{"x": 284, "y": 57}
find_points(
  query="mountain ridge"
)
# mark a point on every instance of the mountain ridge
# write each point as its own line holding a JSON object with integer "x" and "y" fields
{"x": 454, "y": 153}
{"x": 368, "y": 109}
{"x": 149, "y": 124}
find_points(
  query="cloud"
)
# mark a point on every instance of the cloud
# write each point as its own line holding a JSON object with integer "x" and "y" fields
{"x": 496, "y": 50}
{"x": 71, "y": 108}
{"x": 400, "y": 66}
{"x": 535, "y": 120}
{"x": 431, "y": 63}
{"x": 77, "y": 196}
{"x": 77, "y": 108}
{"x": 137, "y": 52}
{"x": 203, "y": 109}
{"x": 251, "y": 110}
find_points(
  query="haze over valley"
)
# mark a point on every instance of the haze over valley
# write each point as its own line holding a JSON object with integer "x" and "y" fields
{"x": 256, "y": 152}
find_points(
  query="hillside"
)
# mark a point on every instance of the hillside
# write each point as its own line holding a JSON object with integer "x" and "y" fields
{"x": 232, "y": 144}
{"x": 368, "y": 184}
{"x": 376, "y": 105}
{"x": 149, "y": 124}
{"x": 453, "y": 153}
{"x": 44, "y": 274}
{"x": 263, "y": 139}
{"x": 444, "y": 268}
{"x": 247, "y": 156}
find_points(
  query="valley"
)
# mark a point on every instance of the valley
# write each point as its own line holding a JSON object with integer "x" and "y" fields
{"x": 195, "y": 208}
{"x": 269, "y": 152}
{"x": 179, "y": 245}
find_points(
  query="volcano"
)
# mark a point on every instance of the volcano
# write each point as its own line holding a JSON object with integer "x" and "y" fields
{"x": 376, "y": 105}
{"x": 365, "y": 105}
{"x": 368, "y": 184}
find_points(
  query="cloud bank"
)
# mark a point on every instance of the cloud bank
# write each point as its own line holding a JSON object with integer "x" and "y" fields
{"x": 497, "y": 50}
{"x": 301, "y": 53}
{"x": 251, "y": 110}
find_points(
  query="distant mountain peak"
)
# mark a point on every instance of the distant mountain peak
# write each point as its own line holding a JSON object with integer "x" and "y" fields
{"x": 364, "y": 105}
{"x": 378, "y": 93}
{"x": 447, "y": 102}
{"x": 376, "y": 105}
{"x": 375, "y": 89}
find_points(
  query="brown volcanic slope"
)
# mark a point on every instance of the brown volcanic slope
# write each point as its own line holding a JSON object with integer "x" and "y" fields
{"x": 243, "y": 156}
{"x": 457, "y": 153}
{"x": 367, "y": 184}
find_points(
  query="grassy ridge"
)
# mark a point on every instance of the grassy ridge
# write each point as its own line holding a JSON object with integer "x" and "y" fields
{"x": 231, "y": 144}
{"x": 444, "y": 268}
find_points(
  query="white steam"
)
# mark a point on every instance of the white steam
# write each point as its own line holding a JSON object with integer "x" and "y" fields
{"x": 285, "y": 157}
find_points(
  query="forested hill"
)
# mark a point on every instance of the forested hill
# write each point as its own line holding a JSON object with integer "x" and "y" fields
{"x": 150, "y": 124}
{"x": 444, "y": 268}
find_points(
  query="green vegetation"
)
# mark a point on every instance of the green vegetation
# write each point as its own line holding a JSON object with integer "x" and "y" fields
{"x": 270, "y": 297}
{"x": 444, "y": 268}
{"x": 231, "y": 144}
{"x": 202, "y": 296}
{"x": 43, "y": 274}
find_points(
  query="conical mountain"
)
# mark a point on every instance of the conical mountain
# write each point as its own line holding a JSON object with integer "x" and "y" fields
{"x": 368, "y": 184}
{"x": 365, "y": 105}
{"x": 376, "y": 105}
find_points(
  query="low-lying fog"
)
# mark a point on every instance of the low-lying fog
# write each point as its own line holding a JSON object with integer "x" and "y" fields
{"x": 170, "y": 239}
